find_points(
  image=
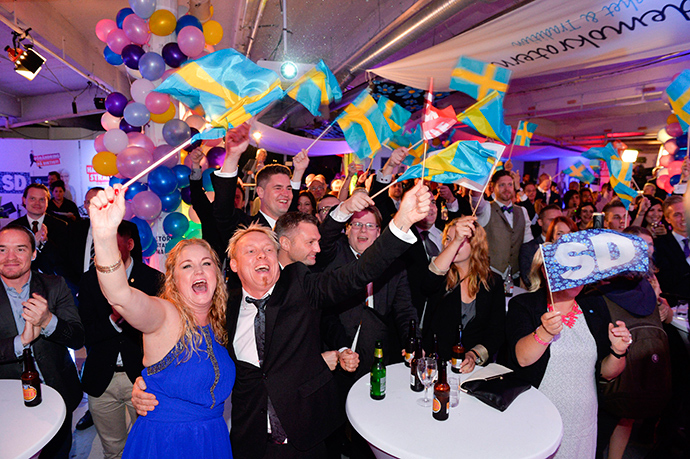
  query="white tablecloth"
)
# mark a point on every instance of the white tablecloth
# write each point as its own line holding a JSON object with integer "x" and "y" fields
{"x": 25, "y": 430}
{"x": 397, "y": 427}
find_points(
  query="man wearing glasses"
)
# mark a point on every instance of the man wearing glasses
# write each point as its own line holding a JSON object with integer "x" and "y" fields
{"x": 324, "y": 207}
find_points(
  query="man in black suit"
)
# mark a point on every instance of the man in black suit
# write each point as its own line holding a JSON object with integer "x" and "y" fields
{"x": 114, "y": 359}
{"x": 38, "y": 310}
{"x": 545, "y": 191}
{"x": 672, "y": 252}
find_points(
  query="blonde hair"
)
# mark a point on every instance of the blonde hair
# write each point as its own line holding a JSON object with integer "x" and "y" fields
{"x": 536, "y": 276}
{"x": 190, "y": 329}
{"x": 479, "y": 270}
{"x": 243, "y": 231}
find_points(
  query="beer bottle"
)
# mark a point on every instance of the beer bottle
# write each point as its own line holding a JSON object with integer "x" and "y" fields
{"x": 458, "y": 353}
{"x": 378, "y": 374}
{"x": 435, "y": 354}
{"x": 508, "y": 283}
{"x": 31, "y": 382}
{"x": 441, "y": 394}
{"x": 411, "y": 342}
{"x": 415, "y": 384}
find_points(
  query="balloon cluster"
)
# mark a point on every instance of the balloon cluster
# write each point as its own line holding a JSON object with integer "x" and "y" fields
{"x": 123, "y": 150}
{"x": 675, "y": 143}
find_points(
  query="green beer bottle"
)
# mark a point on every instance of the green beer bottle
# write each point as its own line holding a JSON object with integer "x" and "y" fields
{"x": 378, "y": 374}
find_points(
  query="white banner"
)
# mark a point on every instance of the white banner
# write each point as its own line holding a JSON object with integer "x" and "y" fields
{"x": 549, "y": 36}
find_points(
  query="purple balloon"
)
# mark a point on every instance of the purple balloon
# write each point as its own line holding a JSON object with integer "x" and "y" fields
{"x": 125, "y": 126}
{"x": 133, "y": 160}
{"x": 172, "y": 55}
{"x": 151, "y": 66}
{"x": 196, "y": 143}
{"x": 137, "y": 139}
{"x": 115, "y": 103}
{"x": 175, "y": 132}
{"x": 136, "y": 29}
{"x": 162, "y": 150}
{"x": 186, "y": 194}
{"x": 131, "y": 55}
{"x": 147, "y": 205}
{"x": 215, "y": 157}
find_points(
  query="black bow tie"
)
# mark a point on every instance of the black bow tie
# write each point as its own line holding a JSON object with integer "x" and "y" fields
{"x": 508, "y": 209}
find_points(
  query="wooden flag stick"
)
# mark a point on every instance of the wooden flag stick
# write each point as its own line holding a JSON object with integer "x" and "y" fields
{"x": 158, "y": 163}
{"x": 384, "y": 189}
{"x": 320, "y": 135}
{"x": 510, "y": 152}
{"x": 481, "y": 196}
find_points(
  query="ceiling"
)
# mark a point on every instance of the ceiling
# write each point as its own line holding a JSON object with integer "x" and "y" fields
{"x": 583, "y": 108}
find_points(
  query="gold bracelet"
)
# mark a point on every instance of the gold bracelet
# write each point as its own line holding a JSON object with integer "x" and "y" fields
{"x": 107, "y": 269}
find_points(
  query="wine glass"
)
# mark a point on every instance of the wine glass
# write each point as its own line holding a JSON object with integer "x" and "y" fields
{"x": 427, "y": 370}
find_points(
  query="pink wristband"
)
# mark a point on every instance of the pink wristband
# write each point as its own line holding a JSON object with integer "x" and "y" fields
{"x": 539, "y": 340}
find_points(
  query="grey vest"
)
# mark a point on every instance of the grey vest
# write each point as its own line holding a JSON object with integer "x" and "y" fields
{"x": 504, "y": 241}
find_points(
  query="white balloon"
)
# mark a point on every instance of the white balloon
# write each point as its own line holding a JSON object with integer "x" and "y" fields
{"x": 662, "y": 136}
{"x": 109, "y": 121}
{"x": 115, "y": 140}
{"x": 140, "y": 89}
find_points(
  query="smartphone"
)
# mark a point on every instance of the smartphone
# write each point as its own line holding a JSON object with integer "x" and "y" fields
{"x": 598, "y": 220}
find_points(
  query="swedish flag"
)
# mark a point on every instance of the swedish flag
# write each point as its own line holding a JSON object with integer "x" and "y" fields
{"x": 364, "y": 126}
{"x": 315, "y": 88}
{"x": 411, "y": 140}
{"x": 230, "y": 88}
{"x": 580, "y": 172}
{"x": 620, "y": 171}
{"x": 486, "y": 117}
{"x": 679, "y": 96}
{"x": 477, "y": 79}
{"x": 523, "y": 136}
{"x": 395, "y": 115}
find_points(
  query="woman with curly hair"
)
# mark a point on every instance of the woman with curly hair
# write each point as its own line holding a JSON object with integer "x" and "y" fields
{"x": 464, "y": 292}
{"x": 186, "y": 363}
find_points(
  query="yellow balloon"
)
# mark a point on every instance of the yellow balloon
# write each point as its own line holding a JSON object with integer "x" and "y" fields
{"x": 671, "y": 119}
{"x": 162, "y": 23}
{"x": 213, "y": 32}
{"x": 105, "y": 163}
{"x": 164, "y": 117}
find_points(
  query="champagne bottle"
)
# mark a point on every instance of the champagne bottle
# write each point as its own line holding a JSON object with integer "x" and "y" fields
{"x": 411, "y": 342}
{"x": 458, "y": 353}
{"x": 31, "y": 382}
{"x": 415, "y": 384}
{"x": 441, "y": 406}
{"x": 377, "y": 376}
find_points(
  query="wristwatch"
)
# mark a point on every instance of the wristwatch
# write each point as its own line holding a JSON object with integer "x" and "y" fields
{"x": 618, "y": 356}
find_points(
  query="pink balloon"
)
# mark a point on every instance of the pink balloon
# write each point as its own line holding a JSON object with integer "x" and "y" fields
{"x": 129, "y": 210}
{"x": 133, "y": 160}
{"x": 163, "y": 150}
{"x": 663, "y": 181}
{"x": 136, "y": 29}
{"x": 196, "y": 121}
{"x": 138, "y": 139}
{"x": 671, "y": 147}
{"x": 98, "y": 144}
{"x": 117, "y": 40}
{"x": 109, "y": 121}
{"x": 103, "y": 28}
{"x": 167, "y": 73}
{"x": 674, "y": 130}
{"x": 157, "y": 103}
{"x": 191, "y": 41}
{"x": 675, "y": 168}
{"x": 147, "y": 205}
{"x": 665, "y": 160}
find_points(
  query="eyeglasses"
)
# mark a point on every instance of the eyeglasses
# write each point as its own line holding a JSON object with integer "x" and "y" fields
{"x": 360, "y": 225}
{"x": 324, "y": 209}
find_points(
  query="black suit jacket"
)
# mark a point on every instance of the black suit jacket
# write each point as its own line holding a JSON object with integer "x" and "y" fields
{"x": 52, "y": 258}
{"x": 674, "y": 271}
{"x": 554, "y": 198}
{"x": 294, "y": 374}
{"x": 204, "y": 210}
{"x": 416, "y": 263}
{"x": 53, "y": 359}
{"x": 103, "y": 342}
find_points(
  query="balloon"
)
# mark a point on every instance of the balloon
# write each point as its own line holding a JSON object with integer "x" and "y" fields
{"x": 175, "y": 225}
{"x": 105, "y": 163}
{"x": 663, "y": 180}
{"x": 674, "y": 129}
{"x": 150, "y": 250}
{"x": 131, "y": 55}
{"x": 98, "y": 144}
{"x": 162, "y": 181}
{"x": 121, "y": 15}
{"x": 170, "y": 202}
{"x": 172, "y": 55}
{"x": 175, "y": 132}
{"x": 196, "y": 143}
{"x": 134, "y": 189}
{"x": 190, "y": 40}
{"x": 187, "y": 20}
{"x": 143, "y": 8}
{"x": 151, "y": 66}
{"x": 147, "y": 205}
{"x": 115, "y": 103}
{"x": 137, "y": 114}
{"x": 136, "y": 29}
{"x": 196, "y": 122}
{"x": 172, "y": 243}
{"x": 682, "y": 141}
{"x": 162, "y": 150}
{"x": 679, "y": 155}
{"x": 193, "y": 232}
{"x": 125, "y": 126}
{"x": 115, "y": 180}
{"x": 662, "y": 136}
{"x": 672, "y": 118}
{"x": 167, "y": 73}
{"x": 133, "y": 160}
{"x": 186, "y": 194}
{"x": 213, "y": 32}
{"x": 674, "y": 180}
{"x": 675, "y": 167}
{"x": 206, "y": 179}
{"x": 140, "y": 89}
{"x": 129, "y": 211}
{"x": 104, "y": 27}
{"x": 162, "y": 23}
{"x": 145, "y": 233}
{"x": 109, "y": 121}
{"x": 111, "y": 57}
{"x": 115, "y": 140}
{"x": 164, "y": 117}
{"x": 665, "y": 160}
{"x": 182, "y": 175}
{"x": 156, "y": 102}
{"x": 117, "y": 40}
{"x": 137, "y": 139}
{"x": 215, "y": 156}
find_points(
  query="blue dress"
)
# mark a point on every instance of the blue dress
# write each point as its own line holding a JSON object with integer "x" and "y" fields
{"x": 188, "y": 421}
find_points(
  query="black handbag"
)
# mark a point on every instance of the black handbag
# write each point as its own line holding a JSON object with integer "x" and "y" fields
{"x": 497, "y": 391}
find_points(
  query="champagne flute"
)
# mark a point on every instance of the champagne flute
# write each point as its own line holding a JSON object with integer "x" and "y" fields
{"x": 427, "y": 370}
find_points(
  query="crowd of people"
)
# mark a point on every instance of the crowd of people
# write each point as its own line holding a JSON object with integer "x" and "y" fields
{"x": 279, "y": 306}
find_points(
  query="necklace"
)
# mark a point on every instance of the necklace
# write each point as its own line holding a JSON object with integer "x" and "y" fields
{"x": 569, "y": 318}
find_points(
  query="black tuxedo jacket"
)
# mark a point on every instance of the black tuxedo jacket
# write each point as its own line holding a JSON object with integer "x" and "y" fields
{"x": 417, "y": 265}
{"x": 294, "y": 374}
{"x": 554, "y": 198}
{"x": 50, "y": 352}
{"x": 103, "y": 342}
{"x": 674, "y": 271}
{"x": 52, "y": 258}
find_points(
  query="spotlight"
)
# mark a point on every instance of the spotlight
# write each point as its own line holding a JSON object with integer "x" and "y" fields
{"x": 288, "y": 70}
{"x": 629, "y": 156}
{"x": 257, "y": 135}
{"x": 27, "y": 62}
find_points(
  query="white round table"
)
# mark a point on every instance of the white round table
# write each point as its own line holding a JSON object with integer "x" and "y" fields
{"x": 24, "y": 431}
{"x": 397, "y": 427}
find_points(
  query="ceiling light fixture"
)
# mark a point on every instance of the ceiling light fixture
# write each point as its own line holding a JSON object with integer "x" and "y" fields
{"x": 629, "y": 156}
{"x": 27, "y": 62}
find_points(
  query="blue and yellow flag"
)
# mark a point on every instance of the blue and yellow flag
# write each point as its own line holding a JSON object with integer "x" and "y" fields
{"x": 580, "y": 172}
{"x": 230, "y": 88}
{"x": 595, "y": 164}
{"x": 477, "y": 79}
{"x": 679, "y": 96}
{"x": 364, "y": 126}
{"x": 411, "y": 140}
{"x": 486, "y": 117}
{"x": 620, "y": 171}
{"x": 467, "y": 163}
{"x": 395, "y": 115}
{"x": 315, "y": 88}
{"x": 523, "y": 136}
